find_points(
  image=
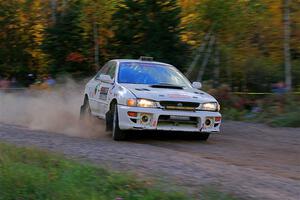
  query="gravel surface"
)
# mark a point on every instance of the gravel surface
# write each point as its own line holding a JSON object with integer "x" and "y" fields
{"x": 252, "y": 161}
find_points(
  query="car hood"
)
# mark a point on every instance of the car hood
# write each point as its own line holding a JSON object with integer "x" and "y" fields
{"x": 168, "y": 94}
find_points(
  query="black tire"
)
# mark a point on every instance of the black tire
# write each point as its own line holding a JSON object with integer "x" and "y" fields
{"x": 117, "y": 133}
{"x": 203, "y": 136}
{"x": 109, "y": 120}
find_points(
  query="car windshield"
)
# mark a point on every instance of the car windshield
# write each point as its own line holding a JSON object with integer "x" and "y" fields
{"x": 151, "y": 74}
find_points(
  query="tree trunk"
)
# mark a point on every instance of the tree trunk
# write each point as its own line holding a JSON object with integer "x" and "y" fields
{"x": 206, "y": 58}
{"x": 229, "y": 76}
{"x": 217, "y": 66}
{"x": 198, "y": 54}
{"x": 287, "y": 37}
{"x": 64, "y": 7}
{"x": 64, "y": 3}
{"x": 53, "y": 10}
{"x": 96, "y": 48}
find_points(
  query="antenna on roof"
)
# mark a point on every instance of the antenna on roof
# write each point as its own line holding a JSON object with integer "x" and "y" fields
{"x": 146, "y": 58}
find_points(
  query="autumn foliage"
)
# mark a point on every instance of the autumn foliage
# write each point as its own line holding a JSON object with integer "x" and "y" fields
{"x": 240, "y": 43}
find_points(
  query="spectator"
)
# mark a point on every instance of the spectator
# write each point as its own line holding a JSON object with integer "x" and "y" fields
{"x": 4, "y": 83}
{"x": 50, "y": 81}
{"x": 279, "y": 88}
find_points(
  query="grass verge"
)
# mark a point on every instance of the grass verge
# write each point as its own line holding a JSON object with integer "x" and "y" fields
{"x": 289, "y": 118}
{"x": 27, "y": 173}
{"x": 32, "y": 174}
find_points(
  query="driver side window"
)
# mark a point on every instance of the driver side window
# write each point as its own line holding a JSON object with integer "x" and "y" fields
{"x": 108, "y": 69}
{"x": 103, "y": 70}
{"x": 112, "y": 69}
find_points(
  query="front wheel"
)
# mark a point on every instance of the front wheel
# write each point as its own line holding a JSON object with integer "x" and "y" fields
{"x": 117, "y": 133}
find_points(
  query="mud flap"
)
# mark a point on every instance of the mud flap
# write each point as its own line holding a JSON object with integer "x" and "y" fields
{"x": 81, "y": 116}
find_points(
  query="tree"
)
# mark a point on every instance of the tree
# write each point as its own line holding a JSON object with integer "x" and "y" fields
{"x": 149, "y": 27}
{"x": 287, "y": 38}
{"x": 249, "y": 41}
{"x": 12, "y": 44}
{"x": 36, "y": 22}
{"x": 97, "y": 18}
{"x": 66, "y": 42}
{"x": 22, "y": 33}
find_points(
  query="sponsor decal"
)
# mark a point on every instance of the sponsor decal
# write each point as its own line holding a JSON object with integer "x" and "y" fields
{"x": 201, "y": 128}
{"x": 179, "y": 104}
{"x": 183, "y": 96}
{"x": 111, "y": 90}
{"x": 103, "y": 93}
{"x": 154, "y": 123}
{"x": 96, "y": 89}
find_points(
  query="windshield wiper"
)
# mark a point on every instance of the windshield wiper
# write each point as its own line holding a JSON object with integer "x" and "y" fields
{"x": 167, "y": 85}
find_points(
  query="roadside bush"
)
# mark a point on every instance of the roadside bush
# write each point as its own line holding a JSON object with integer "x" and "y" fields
{"x": 291, "y": 119}
{"x": 290, "y": 116}
{"x": 273, "y": 109}
{"x": 233, "y": 114}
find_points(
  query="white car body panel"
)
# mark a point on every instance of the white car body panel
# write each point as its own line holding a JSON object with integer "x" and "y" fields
{"x": 100, "y": 96}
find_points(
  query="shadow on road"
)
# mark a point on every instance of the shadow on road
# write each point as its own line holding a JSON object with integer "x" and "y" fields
{"x": 163, "y": 136}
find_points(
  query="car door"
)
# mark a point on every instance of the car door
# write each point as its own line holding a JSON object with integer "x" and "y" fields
{"x": 105, "y": 88}
{"x": 94, "y": 87}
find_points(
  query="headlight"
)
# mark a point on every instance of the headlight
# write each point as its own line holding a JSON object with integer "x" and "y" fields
{"x": 145, "y": 103}
{"x": 212, "y": 106}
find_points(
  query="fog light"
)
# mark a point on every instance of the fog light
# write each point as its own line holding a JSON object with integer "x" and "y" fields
{"x": 208, "y": 122}
{"x": 145, "y": 119}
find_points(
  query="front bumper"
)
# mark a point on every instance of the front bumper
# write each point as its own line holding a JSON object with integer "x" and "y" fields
{"x": 155, "y": 122}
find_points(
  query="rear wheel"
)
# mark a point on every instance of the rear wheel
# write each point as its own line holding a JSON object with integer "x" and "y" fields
{"x": 117, "y": 133}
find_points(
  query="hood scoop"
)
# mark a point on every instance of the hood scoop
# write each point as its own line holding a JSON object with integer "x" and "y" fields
{"x": 142, "y": 89}
{"x": 167, "y": 86}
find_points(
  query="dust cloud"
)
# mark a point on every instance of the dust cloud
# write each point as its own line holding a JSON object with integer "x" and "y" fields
{"x": 56, "y": 110}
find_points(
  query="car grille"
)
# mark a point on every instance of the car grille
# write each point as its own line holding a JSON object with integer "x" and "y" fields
{"x": 170, "y": 120}
{"x": 177, "y": 105}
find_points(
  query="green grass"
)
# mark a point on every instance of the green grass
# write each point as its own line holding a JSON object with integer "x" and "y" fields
{"x": 32, "y": 174}
{"x": 27, "y": 173}
{"x": 291, "y": 119}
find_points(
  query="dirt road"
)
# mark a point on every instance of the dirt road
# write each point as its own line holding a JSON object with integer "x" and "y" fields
{"x": 250, "y": 160}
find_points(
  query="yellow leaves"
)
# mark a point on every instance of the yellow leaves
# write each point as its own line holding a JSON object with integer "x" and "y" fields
{"x": 188, "y": 18}
{"x": 38, "y": 37}
{"x": 191, "y": 33}
{"x": 187, "y": 37}
{"x": 186, "y": 4}
{"x": 30, "y": 25}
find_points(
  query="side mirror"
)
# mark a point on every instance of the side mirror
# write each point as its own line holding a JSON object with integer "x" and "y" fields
{"x": 197, "y": 85}
{"x": 106, "y": 79}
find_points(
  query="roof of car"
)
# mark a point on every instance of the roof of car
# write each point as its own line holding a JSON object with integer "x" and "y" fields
{"x": 141, "y": 61}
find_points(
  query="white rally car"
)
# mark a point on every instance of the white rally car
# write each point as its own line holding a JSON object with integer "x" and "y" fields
{"x": 147, "y": 95}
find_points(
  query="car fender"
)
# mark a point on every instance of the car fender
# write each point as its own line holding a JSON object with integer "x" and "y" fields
{"x": 120, "y": 94}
